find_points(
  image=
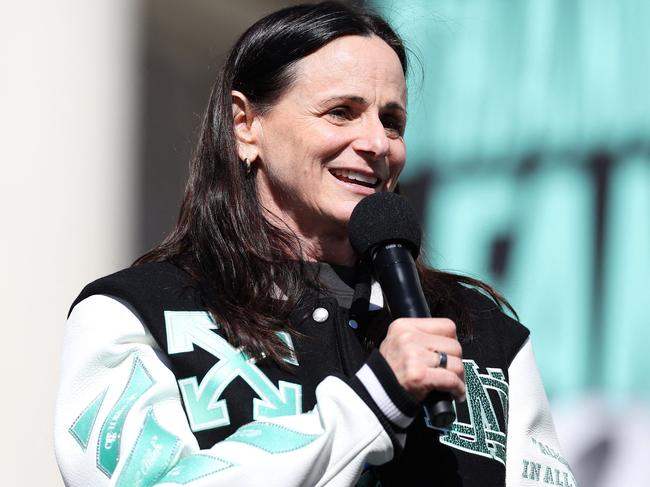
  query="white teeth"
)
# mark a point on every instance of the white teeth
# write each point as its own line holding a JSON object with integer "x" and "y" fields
{"x": 355, "y": 176}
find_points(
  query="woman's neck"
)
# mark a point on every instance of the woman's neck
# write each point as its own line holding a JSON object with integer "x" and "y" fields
{"x": 328, "y": 249}
{"x": 330, "y": 245}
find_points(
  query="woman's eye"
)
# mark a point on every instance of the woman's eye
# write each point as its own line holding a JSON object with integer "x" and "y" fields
{"x": 393, "y": 125}
{"x": 340, "y": 113}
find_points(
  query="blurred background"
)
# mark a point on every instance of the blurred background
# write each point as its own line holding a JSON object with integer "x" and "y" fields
{"x": 529, "y": 163}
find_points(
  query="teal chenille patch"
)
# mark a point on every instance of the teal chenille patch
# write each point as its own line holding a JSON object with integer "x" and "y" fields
{"x": 110, "y": 436}
{"x": 271, "y": 437}
{"x": 286, "y": 339}
{"x": 82, "y": 427}
{"x": 205, "y": 407}
{"x": 193, "y": 468}
{"x": 152, "y": 456}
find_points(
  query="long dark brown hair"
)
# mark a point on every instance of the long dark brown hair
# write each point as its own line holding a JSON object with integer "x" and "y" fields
{"x": 240, "y": 260}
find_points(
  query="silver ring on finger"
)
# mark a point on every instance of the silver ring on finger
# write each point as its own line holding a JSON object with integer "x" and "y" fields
{"x": 442, "y": 360}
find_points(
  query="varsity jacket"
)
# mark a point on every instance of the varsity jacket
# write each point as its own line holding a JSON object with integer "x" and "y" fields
{"x": 152, "y": 393}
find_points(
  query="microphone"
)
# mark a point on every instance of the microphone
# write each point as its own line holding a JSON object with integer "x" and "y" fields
{"x": 383, "y": 228}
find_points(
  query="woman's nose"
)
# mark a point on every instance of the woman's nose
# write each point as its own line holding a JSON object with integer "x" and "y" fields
{"x": 372, "y": 138}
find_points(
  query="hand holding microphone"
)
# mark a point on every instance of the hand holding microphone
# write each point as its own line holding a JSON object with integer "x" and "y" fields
{"x": 425, "y": 356}
{"x": 423, "y": 352}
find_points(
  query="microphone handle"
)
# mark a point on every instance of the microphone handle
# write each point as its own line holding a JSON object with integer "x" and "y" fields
{"x": 395, "y": 271}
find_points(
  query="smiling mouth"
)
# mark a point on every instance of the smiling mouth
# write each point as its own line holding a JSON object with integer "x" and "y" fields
{"x": 355, "y": 178}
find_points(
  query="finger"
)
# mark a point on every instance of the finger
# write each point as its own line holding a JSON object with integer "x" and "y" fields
{"x": 431, "y": 326}
{"x": 448, "y": 345}
{"x": 419, "y": 380}
{"x": 419, "y": 371}
{"x": 435, "y": 326}
{"x": 446, "y": 381}
{"x": 454, "y": 365}
{"x": 442, "y": 360}
{"x": 431, "y": 360}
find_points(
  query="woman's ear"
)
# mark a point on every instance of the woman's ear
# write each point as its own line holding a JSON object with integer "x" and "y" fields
{"x": 243, "y": 121}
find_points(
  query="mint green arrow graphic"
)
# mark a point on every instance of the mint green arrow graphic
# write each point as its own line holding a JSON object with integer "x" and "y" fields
{"x": 185, "y": 329}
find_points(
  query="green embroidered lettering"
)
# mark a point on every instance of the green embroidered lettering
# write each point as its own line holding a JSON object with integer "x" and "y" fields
{"x": 548, "y": 476}
{"x": 535, "y": 470}
{"x": 551, "y": 453}
{"x": 566, "y": 480}
{"x": 543, "y": 449}
{"x": 482, "y": 435}
{"x": 496, "y": 380}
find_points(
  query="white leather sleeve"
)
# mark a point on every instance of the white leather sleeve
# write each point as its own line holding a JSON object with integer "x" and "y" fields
{"x": 120, "y": 421}
{"x": 533, "y": 454}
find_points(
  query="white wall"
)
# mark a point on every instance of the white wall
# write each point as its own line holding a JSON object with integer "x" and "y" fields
{"x": 67, "y": 146}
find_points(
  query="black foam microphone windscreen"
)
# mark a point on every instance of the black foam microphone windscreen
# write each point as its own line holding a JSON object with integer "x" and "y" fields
{"x": 384, "y": 229}
{"x": 384, "y": 217}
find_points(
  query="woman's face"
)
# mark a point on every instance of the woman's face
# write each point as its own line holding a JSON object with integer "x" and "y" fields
{"x": 334, "y": 136}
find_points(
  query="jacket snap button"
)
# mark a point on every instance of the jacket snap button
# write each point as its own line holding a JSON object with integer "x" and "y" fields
{"x": 320, "y": 315}
{"x": 353, "y": 324}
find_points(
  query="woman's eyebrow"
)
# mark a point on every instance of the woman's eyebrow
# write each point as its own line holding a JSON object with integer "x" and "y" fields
{"x": 353, "y": 98}
{"x": 393, "y": 105}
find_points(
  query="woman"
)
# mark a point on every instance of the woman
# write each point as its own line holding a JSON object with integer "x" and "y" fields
{"x": 247, "y": 348}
